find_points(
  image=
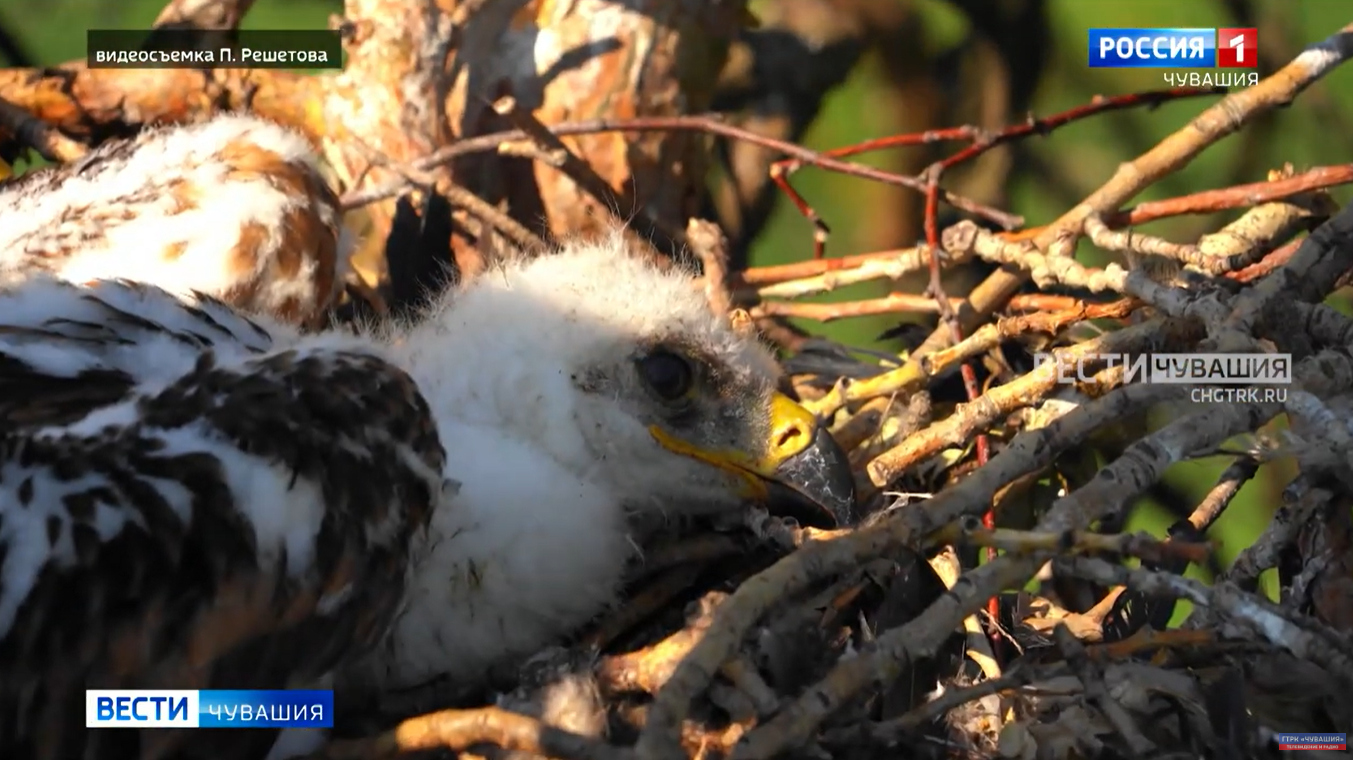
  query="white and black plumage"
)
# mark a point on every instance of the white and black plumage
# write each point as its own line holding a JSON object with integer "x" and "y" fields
{"x": 181, "y": 503}
{"x": 567, "y": 395}
{"x": 235, "y": 207}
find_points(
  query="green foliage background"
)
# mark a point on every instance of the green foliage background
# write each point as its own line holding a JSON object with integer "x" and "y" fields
{"x": 1315, "y": 131}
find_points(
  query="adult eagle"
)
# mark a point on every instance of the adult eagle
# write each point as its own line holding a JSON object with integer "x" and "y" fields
{"x": 193, "y": 499}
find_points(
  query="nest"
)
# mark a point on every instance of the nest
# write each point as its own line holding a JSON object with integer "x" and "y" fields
{"x": 978, "y": 467}
{"x": 900, "y": 635}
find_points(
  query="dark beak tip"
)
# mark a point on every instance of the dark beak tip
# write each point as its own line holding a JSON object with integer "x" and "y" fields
{"x": 817, "y": 486}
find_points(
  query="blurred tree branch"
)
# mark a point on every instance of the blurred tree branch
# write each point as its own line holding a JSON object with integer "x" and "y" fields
{"x": 773, "y": 84}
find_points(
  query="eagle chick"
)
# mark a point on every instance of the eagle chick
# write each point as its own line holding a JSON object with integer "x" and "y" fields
{"x": 190, "y": 498}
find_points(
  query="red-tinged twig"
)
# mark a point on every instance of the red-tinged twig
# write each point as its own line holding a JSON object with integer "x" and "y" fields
{"x": 709, "y": 124}
{"x": 780, "y": 170}
{"x": 1275, "y": 259}
{"x": 945, "y": 307}
{"x": 1205, "y": 202}
{"x": 1238, "y": 196}
{"x": 982, "y": 444}
{"x": 981, "y": 141}
{"x": 1044, "y": 126}
{"x": 1047, "y": 302}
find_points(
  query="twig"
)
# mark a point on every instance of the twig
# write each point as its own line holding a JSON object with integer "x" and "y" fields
{"x": 977, "y": 647}
{"x": 492, "y": 216}
{"x": 460, "y": 729}
{"x": 1234, "y": 246}
{"x": 710, "y": 124}
{"x": 711, "y": 249}
{"x": 1259, "y": 615}
{"x": 990, "y": 336}
{"x": 743, "y": 674}
{"x": 904, "y": 303}
{"x": 865, "y": 435}
{"x": 1134, "y": 242}
{"x": 358, "y": 287}
{"x": 1242, "y": 242}
{"x": 1208, "y": 306}
{"x": 1238, "y": 196}
{"x": 887, "y": 659}
{"x": 654, "y": 596}
{"x": 648, "y": 669}
{"x": 912, "y": 258}
{"x": 1219, "y": 498}
{"x": 1324, "y": 324}
{"x": 1140, "y": 545}
{"x": 1300, "y": 501}
{"x": 1205, "y": 202}
{"x": 1095, "y": 691}
{"x": 1021, "y": 392}
{"x": 702, "y": 549}
{"x": 915, "y": 374}
{"x": 896, "y": 303}
{"x": 981, "y": 141}
{"x": 1268, "y": 265}
{"x": 1145, "y": 640}
{"x": 889, "y": 732}
{"x": 622, "y": 204}
{"x": 1323, "y": 257}
{"x": 892, "y": 267}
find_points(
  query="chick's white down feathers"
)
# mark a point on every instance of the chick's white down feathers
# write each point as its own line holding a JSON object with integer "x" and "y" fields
{"x": 528, "y": 372}
{"x": 234, "y": 207}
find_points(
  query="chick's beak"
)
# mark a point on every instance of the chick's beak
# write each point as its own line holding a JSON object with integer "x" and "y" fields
{"x": 800, "y": 471}
{"x": 808, "y": 473}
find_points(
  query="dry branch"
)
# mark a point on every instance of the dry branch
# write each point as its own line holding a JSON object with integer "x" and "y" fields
{"x": 462, "y": 729}
{"x": 1261, "y": 616}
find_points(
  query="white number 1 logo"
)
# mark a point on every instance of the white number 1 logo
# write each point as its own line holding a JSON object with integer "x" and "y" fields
{"x": 1238, "y": 44}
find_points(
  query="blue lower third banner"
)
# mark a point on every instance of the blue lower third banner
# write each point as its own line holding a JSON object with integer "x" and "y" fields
{"x": 1296, "y": 740}
{"x": 1152, "y": 48}
{"x": 136, "y": 708}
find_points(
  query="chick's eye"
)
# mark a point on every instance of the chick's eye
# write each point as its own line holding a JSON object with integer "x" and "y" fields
{"x": 669, "y": 375}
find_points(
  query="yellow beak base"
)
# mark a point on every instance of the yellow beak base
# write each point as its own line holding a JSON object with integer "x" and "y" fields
{"x": 800, "y": 467}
